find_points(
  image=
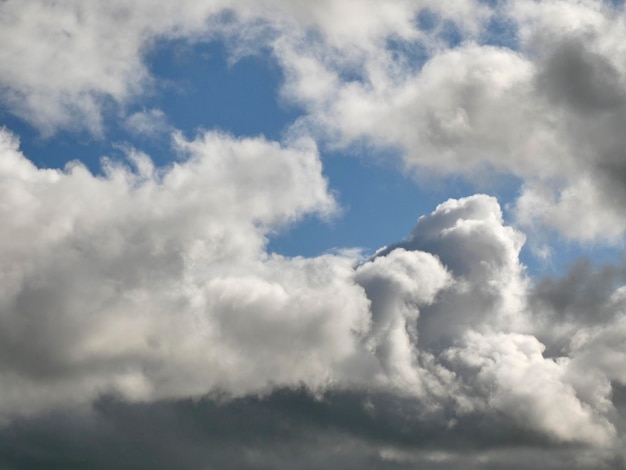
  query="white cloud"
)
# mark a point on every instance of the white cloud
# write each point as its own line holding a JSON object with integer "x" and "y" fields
{"x": 545, "y": 113}
{"x": 141, "y": 280}
{"x": 580, "y": 211}
{"x": 62, "y": 61}
{"x": 466, "y": 110}
{"x": 154, "y": 283}
{"x": 514, "y": 378}
{"x": 148, "y": 123}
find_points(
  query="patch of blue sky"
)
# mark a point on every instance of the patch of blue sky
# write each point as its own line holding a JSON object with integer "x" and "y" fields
{"x": 411, "y": 54}
{"x": 450, "y": 33}
{"x": 379, "y": 206}
{"x": 427, "y": 20}
{"x": 200, "y": 90}
{"x": 445, "y": 30}
{"x": 494, "y": 3}
{"x": 501, "y": 31}
{"x": 196, "y": 89}
{"x": 58, "y": 150}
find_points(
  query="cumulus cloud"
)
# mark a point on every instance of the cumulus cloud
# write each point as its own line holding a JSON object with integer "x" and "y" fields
{"x": 153, "y": 285}
{"x": 64, "y": 63}
{"x": 548, "y": 109}
{"x": 111, "y": 277}
{"x": 145, "y": 298}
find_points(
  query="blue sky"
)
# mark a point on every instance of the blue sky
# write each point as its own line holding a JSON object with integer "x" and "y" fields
{"x": 197, "y": 86}
{"x": 194, "y": 199}
{"x": 198, "y": 89}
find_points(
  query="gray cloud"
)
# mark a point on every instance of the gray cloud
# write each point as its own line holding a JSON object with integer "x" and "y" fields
{"x": 469, "y": 238}
{"x": 287, "y": 429}
{"x": 582, "y": 295}
{"x": 587, "y": 81}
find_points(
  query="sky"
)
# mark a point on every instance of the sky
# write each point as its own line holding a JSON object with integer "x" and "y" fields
{"x": 293, "y": 234}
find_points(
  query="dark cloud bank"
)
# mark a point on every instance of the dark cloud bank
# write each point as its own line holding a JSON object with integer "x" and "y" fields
{"x": 286, "y": 429}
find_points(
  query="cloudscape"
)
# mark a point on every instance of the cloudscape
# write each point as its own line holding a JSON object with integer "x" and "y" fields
{"x": 312, "y": 234}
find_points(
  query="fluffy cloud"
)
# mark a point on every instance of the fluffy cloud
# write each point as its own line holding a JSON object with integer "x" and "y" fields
{"x": 153, "y": 284}
{"x": 140, "y": 280}
{"x": 398, "y": 285}
{"x": 548, "y": 110}
{"x": 148, "y": 293}
{"x": 65, "y": 62}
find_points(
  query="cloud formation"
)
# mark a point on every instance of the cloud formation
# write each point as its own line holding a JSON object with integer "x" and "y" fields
{"x": 547, "y": 111}
{"x": 153, "y": 284}
{"x": 373, "y": 72}
{"x": 142, "y": 304}
{"x": 111, "y": 276}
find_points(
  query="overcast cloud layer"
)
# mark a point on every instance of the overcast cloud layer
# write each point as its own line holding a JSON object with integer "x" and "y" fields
{"x": 144, "y": 323}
